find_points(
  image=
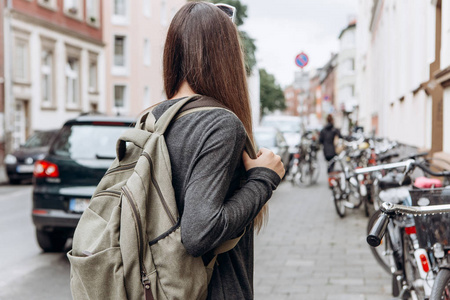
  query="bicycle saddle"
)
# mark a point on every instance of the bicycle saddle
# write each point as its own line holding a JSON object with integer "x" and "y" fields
{"x": 427, "y": 183}
{"x": 385, "y": 157}
{"x": 392, "y": 180}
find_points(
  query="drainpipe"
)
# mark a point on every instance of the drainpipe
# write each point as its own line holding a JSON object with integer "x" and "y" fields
{"x": 9, "y": 100}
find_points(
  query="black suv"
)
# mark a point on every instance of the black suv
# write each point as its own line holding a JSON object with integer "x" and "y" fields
{"x": 65, "y": 179}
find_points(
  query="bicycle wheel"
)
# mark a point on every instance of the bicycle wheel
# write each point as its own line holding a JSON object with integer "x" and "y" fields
{"x": 339, "y": 200}
{"x": 383, "y": 253}
{"x": 411, "y": 271}
{"x": 314, "y": 170}
{"x": 296, "y": 175}
{"x": 441, "y": 286}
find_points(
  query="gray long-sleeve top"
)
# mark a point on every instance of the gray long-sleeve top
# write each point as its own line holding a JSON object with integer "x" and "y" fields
{"x": 205, "y": 150}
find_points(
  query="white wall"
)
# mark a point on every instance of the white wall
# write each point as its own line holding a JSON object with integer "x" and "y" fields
{"x": 254, "y": 91}
{"x": 42, "y": 119}
{"x": 393, "y": 60}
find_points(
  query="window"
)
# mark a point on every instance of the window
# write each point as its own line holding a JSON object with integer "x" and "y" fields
{"x": 146, "y": 102}
{"x": 147, "y": 53}
{"x": 92, "y": 12}
{"x": 119, "y": 51}
{"x": 50, "y": 4}
{"x": 120, "y": 12}
{"x": 21, "y": 60}
{"x": 163, "y": 12}
{"x": 72, "y": 82}
{"x": 349, "y": 65}
{"x": 119, "y": 96}
{"x": 147, "y": 8}
{"x": 73, "y": 8}
{"x": 47, "y": 77}
{"x": 93, "y": 73}
{"x": 120, "y": 8}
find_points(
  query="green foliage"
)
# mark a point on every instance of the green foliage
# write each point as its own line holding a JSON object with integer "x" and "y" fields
{"x": 248, "y": 44}
{"x": 272, "y": 97}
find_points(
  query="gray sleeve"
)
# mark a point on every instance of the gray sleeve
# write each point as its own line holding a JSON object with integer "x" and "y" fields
{"x": 210, "y": 217}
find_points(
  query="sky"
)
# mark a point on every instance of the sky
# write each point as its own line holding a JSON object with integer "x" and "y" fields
{"x": 284, "y": 28}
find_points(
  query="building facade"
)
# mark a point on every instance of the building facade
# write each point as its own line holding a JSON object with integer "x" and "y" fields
{"x": 327, "y": 79}
{"x": 398, "y": 58}
{"x": 53, "y": 51}
{"x": 346, "y": 101}
{"x": 292, "y": 97}
{"x": 134, "y": 34}
{"x": 442, "y": 75}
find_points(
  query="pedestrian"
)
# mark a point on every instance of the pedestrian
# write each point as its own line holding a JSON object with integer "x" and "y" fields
{"x": 202, "y": 55}
{"x": 327, "y": 138}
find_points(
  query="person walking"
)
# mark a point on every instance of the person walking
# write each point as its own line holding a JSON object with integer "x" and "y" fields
{"x": 220, "y": 191}
{"x": 326, "y": 138}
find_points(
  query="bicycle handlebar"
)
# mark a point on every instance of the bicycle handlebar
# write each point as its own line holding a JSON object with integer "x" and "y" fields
{"x": 388, "y": 210}
{"x": 429, "y": 171}
{"x": 390, "y": 166}
{"x": 378, "y": 229}
{"x": 408, "y": 164}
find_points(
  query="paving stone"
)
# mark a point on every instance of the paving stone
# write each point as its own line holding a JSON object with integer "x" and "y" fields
{"x": 308, "y": 252}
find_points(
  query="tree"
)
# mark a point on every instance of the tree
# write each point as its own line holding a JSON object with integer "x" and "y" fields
{"x": 272, "y": 97}
{"x": 248, "y": 44}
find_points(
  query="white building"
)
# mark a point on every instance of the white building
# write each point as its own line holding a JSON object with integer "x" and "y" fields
{"x": 53, "y": 54}
{"x": 395, "y": 55}
{"x": 443, "y": 77}
{"x": 134, "y": 34}
{"x": 346, "y": 102}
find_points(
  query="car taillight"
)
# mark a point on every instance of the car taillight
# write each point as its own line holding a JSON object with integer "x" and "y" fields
{"x": 44, "y": 169}
{"x": 410, "y": 230}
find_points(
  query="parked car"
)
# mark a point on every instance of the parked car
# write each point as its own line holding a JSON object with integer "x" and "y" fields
{"x": 20, "y": 163}
{"x": 65, "y": 179}
{"x": 272, "y": 138}
{"x": 290, "y": 126}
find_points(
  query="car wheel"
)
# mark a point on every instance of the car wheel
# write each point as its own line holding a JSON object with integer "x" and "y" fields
{"x": 51, "y": 241}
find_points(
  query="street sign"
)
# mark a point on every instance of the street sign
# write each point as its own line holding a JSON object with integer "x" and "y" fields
{"x": 301, "y": 60}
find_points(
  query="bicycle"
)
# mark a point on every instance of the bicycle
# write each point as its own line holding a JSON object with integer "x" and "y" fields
{"x": 413, "y": 253}
{"x": 347, "y": 186}
{"x": 305, "y": 166}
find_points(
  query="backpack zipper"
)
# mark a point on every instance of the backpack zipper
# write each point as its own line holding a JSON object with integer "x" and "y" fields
{"x": 155, "y": 183}
{"x": 105, "y": 192}
{"x": 121, "y": 168}
{"x": 144, "y": 278}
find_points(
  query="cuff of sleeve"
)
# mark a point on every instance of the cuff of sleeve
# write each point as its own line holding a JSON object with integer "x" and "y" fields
{"x": 261, "y": 173}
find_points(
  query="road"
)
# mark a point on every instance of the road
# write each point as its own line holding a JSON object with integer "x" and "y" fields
{"x": 305, "y": 252}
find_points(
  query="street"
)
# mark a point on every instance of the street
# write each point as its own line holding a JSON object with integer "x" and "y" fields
{"x": 305, "y": 252}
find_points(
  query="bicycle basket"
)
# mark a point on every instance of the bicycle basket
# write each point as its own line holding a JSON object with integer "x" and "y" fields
{"x": 432, "y": 228}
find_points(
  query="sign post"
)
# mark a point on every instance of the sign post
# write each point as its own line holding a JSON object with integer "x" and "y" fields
{"x": 301, "y": 60}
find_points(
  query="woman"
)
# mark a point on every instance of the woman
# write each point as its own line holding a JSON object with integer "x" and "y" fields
{"x": 202, "y": 55}
{"x": 326, "y": 138}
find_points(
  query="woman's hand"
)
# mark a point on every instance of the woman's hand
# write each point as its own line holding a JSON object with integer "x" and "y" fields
{"x": 266, "y": 159}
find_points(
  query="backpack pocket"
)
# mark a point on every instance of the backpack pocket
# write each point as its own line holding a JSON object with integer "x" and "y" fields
{"x": 180, "y": 275}
{"x": 96, "y": 265}
{"x": 89, "y": 274}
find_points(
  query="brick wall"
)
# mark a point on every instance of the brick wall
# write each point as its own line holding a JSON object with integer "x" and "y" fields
{"x": 59, "y": 18}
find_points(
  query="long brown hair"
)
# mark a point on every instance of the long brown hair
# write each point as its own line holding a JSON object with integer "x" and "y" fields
{"x": 203, "y": 48}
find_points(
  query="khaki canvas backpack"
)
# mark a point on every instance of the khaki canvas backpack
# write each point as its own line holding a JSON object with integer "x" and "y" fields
{"x": 127, "y": 244}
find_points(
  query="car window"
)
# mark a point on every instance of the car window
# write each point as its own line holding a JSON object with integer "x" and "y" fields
{"x": 282, "y": 125}
{"x": 39, "y": 139}
{"x": 265, "y": 139}
{"x": 88, "y": 141}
